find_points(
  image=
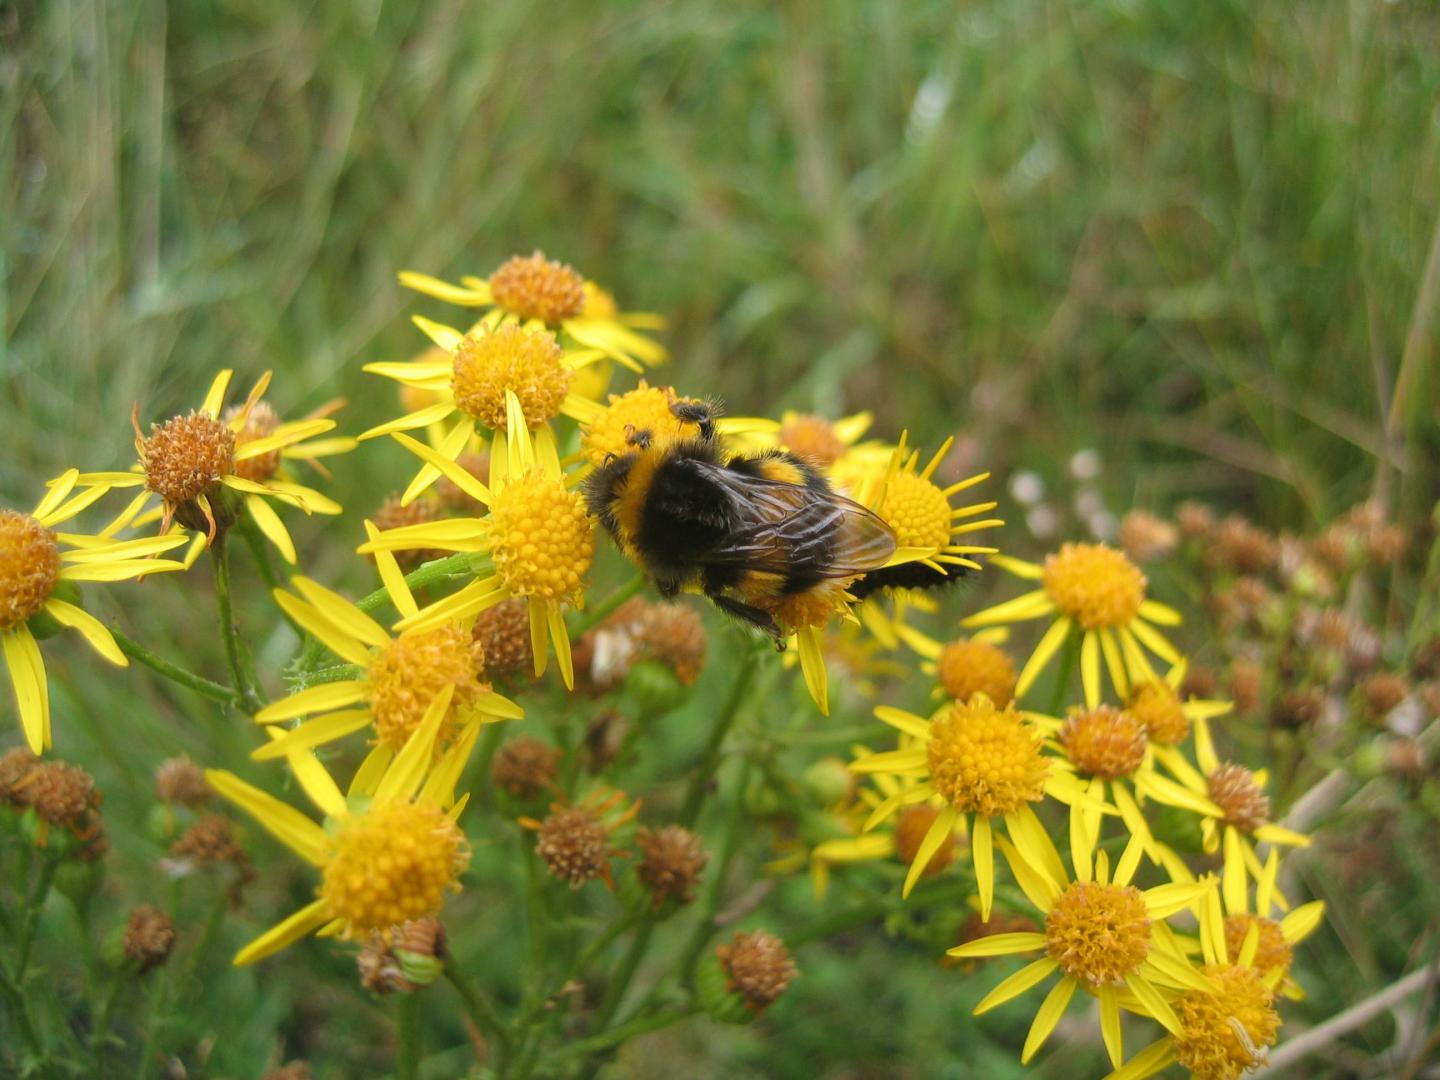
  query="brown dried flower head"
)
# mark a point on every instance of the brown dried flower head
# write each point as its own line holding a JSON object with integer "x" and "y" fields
{"x": 671, "y": 860}
{"x": 911, "y": 825}
{"x": 1244, "y": 547}
{"x": 1234, "y": 790}
{"x": 1147, "y": 538}
{"x": 64, "y": 797}
{"x": 1247, "y": 682}
{"x": 813, "y": 438}
{"x": 575, "y": 846}
{"x": 392, "y": 515}
{"x": 758, "y": 966}
{"x": 525, "y": 767}
{"x": 148, "y": 938}
{"x": 292, "y": 1070}
{"x": 1386, "y": 544}
{"x": 212, "y": 840}
{"x": 1383, "y": 691}
{"x": 186, "y": 456}
{"x": 14, "y": 766}
{"x": 393, "y": 965}
{"x": 1298, "y": 708}
{"x": 262, "y": 421}
{"x": 503, "y": 631}
{"x": 180, "y": 781}
{"x": 29, "y": 567}
{"x": 1195, "y": 520}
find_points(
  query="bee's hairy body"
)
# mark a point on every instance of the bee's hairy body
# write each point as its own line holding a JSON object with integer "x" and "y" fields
{"x": 749, "y": 531}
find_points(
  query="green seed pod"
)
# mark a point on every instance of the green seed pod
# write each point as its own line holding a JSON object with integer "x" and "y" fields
{"x": 712, "y": 990}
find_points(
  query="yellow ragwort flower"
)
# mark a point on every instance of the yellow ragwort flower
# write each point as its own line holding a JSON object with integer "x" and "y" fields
{"x": 1097, "y": 592}
{"x": 399, "y": 677}
{"x": 35, "y": 562}
{"x": 539, "y": 289}
{"x": 538, "y": 536}
{"x": 985, "y": 763}
{"x": 199, "y": 463}
{"x": 390, "y": 850}
{"x": 1275, "y": 934}
{"x": 1102, "y": 935}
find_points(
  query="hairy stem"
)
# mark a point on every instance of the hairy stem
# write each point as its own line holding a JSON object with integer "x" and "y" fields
{"x": 485, "y": 1017}
{"x": 176, "y": 674}
{"x": 244, "y": 687}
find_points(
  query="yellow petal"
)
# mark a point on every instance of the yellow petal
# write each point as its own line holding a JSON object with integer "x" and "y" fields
{"x": 1155, "y": 1058}
{"x": 1110, "y": 1026}
{"x": 343, "y": 613}
{"x": 1090, "y": 668}
{"x": 982, "y": 855}
{"x": 313, "y": 733}
{"x": 443, "y": 290}
{"x": 907, "y": 722}
{"x": 286, "y": 435}
{"x": 269, "y": 523}
{"x": 1048, "y": 646}
{"x": 91, "y": 628}
{"x": 1303, "y": 921}
{"x": 284, "y": 822}
{"x": 1029, "y": 605}
{"x": 430, "y": 414}
{"x": 309, "y": 918}
{"x": 1015, "y": 985}
{"x": 939, "y": 831}
{"x": 320, "y": 698}
{"x": 1038, "y": 888}
{"x": 215, "y": 396}
{"x": 999, "y": 945}
{"x": 560, "y": 636}
{"x": 319, "y": 785}
{"x": 1153, "y": 640}
{"x": 457, "y": 607}
{"x": 1047, "y": 1016}
{"x": 812, "y": 665}
{"x": 402, "y": 779}
{"x": 447, "y": 337}
{"x": 539, "y": 635}
{"x": 1155, "y": 1004}
{"x": 27, "y": 676}
{"x": 391, "y": 577}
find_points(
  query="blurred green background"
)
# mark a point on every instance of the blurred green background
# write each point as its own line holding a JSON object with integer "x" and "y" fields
{"x": 1191, "y": 237}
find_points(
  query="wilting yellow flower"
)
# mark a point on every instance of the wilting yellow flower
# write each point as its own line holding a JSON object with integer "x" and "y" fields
{"x": 1102, "y": 934}
{"x": 1222, "y": 1031}
{"x": 34, "y": 563}
{"x": 400, "y": 677}
{"x": 194, "y": 462}
{"x": 985, "y": 763}
{"x": 1110, "y": 747}
{"x": 534, "y": 287}
{"x": 538, "y": 535}
{"x": 1239, "y": 814}
{"x": 389, "y": 851}
{"x": 1099, "y": 592}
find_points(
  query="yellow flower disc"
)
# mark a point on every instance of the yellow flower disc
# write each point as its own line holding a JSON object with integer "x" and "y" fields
{"x": 392, "y": 864}
{"x": 535, "y": 287}
{"x": 542, "y": 538}
{"x": 1095, "y": 585}
{"x": 984, "y": 759}
{"x": 966, "y": 668}
{"x": 814, "y": 607}
{"x": 530, "y": 363}
{"x": 917, "y": 510}
{"x": 1098, "y": 933}
{"x": 1223, "y": 1035}
{"x": 812, "y": 438}
{"x": 1104, "y": 742}
{"x": 1157, "y": 706}
{"x": 262, "y": 422}
{"x": 186, "y": 456}
{"x": 29, "y": 567}
{"x": 1234, "y": 790}
{"x": 1272, "y": 952}
{"x": 406, "y": 675}
{"x": 646, "y": 408}
{"x": 910, "y": 829}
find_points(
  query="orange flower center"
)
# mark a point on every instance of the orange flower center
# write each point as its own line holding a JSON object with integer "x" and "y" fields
{"x": 917, "y": 510}
{"x": 29, "y": 567}
{"x": 1095, "y": 585}
{"x": 1272, "y": 951}
{"x": 1223, "y": 1035}
{"x": 1158, "y": 707}
{"x": 1098, "y": 933}
{"x": 646, "y": 408}
{"x": 966, "y": 668}
{"x": 538, "y": 288}
{"x": 1104, "y": 742}
{"x": 186, "y": 456}
{"x": 985, "y": 760}
{"x": 406, "y": 675}
{"x": 812, "y": 438}
{"x": 1234, "y": 790}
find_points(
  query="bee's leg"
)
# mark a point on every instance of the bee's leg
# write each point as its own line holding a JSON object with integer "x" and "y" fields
{"x": 755, "y": 616}
{"x": 669, "y": 588}
{"x": 698, "y": 413}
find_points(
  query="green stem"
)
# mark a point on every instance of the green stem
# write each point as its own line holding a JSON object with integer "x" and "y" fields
{"x": 220, "y": 564}
{"x": 174, "y": 673}
{"x": 705, "y": 767}
{"x": 615, "y": 993}
{"x": 407, "y": 1045}
{"x": 875, "y": 909}
{"x": 263, "y": 562}
{"x": 485, "y": 1017}
{"x": 607, "y": 607}
{"x": 19, "y": 1008}
{"x": 706, "y": 924}
{"x": 1068, "y": 659}
{"x": 101, "y": 1031}
{"x": 31, "y": 920}
{"x": 615, "y": 1036}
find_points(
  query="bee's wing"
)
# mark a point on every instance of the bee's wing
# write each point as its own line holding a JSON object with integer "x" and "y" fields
{"x": 787, "y": 527}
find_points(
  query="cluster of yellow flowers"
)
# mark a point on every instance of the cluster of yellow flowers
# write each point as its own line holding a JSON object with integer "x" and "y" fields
{"x": 486, "y": 411}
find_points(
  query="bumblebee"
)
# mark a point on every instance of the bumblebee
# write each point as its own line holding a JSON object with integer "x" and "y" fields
{"x": 747, "y": 531}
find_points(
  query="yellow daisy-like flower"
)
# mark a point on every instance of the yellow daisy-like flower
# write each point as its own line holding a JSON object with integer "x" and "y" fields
{"x": 1239, "y": 815}
{"x": 1098, "y": 592}
{"x": 1111, "y": 748}
{"x": 818, "y": 440}
{"x": 538, "y": 536}
{"x": 201, "y": 465}
{"x": 35, "y": 562}
{"x": 389, "y": 851}
{"x": 536, "y": 288}
{"x": 1222, "y": 1031}
{"x": 985, "y": 763}
{"x": 1275, "y": 933}
{"x": 1102, "y": 935}
{"x": 400, "y": 676}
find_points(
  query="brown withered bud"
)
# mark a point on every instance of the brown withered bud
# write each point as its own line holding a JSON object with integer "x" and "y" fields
{"x": 1234, "y": 790}
{"x": 1297, "y": 708}
{"x": 1405, "y": 758}
{"x": 1251, "y": 592}
{"x": 64, "y": 797}
{"x": 674, "y": 635}
{"x": 211, "y": 840}
{"x": 1425, "y": 664}
{"x": 525, "y": 767}
{"x": 1244, "y": 547}
{"x": 758, "y": 966}
{"x": 291, "y": 1070}
{"x": 411, "y": 960}
{"x": 1429, "y": 693}
{"x": 574, "y": 845}
{"x": 1386, "y": 544}
{"x": 1199, "y": 682}
{"x": 1337, "y": 548}
{"x": 181, "y": 782}
{"x": 1331, "y": 629}
{"x": 1247, "y": 684}
{"x": 671, "y": 860}
{"x": 1382, "y": 691}
{"x": 392, "y": 515}
{"x": 1194, "y": 519}
{"x": 14, "y": 766}
{"x": 1147, "y": 538}
{"x": 149, "y": 938}
{"x": 450, "y": 495}
{"x": 504, "y": 631}
{"x": 1362, "y": 652}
